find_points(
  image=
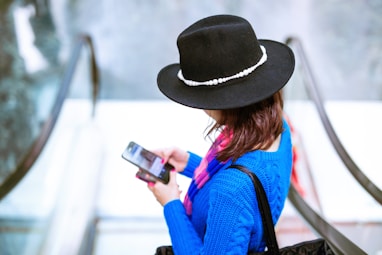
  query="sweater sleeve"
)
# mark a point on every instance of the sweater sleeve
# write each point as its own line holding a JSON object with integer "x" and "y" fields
{"x": 184, "y": 238}
{"x": 193, "y": 162}
{"x": 229, "y": 224}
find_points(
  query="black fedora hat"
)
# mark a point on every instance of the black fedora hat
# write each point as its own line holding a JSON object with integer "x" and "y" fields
{"x": 223, "y": 65}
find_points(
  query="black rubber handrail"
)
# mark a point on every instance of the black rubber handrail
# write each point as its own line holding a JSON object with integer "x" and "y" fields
{"x": 37, "y": 147}
{"x": 315, "y": 94}
{"x": 339, "y": 243}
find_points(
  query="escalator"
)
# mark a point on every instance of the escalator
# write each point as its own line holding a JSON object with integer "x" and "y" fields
{"x": 34, "y": 85}
{"x": 305, "y": 94}
{"x": 32, "y": 206}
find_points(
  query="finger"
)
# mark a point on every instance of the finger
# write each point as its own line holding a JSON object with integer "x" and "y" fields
{"x": 173, "y": 176}
{"x": 151, "y": 185}
{"x": 166, "y": 154}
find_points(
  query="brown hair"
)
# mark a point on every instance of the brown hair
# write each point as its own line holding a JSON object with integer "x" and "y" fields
{"x": 253, "y": 127}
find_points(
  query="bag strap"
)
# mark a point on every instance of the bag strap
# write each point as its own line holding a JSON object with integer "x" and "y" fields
{"x": 265, "y": 211}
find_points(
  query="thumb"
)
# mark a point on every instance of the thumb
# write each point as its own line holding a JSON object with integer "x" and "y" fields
{"x": 173, "y": 176}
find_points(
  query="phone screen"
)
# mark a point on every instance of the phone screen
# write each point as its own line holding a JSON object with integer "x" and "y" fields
{"x": 147, "y": 161}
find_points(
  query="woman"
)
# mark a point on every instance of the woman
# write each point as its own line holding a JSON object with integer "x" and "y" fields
{"x": 236, "y": 79}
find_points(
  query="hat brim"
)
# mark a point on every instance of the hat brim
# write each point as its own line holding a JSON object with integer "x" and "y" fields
{"x": 266, "y": 80}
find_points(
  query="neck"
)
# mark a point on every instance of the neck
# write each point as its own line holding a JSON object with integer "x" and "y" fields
{"x": 275, "y": 145}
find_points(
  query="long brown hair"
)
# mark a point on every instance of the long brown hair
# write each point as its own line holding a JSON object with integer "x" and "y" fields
{"x": 253, "y": 127}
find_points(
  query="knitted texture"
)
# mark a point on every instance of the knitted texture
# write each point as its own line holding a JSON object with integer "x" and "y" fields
{"x": 206, "y": 169}
{"x": 225, "y": 218}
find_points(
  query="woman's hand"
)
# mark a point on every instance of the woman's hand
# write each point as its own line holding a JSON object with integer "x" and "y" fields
{"x": 176, "y": 157}
{"x": 165, "y": 193}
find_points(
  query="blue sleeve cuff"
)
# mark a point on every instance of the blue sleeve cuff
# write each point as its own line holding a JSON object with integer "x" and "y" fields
{"x": 192, "y": 164}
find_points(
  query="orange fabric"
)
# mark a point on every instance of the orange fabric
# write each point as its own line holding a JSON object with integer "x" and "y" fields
{"x": 294, "y": 178}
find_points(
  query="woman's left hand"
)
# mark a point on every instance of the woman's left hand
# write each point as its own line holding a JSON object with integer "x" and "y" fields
{"x": 165, "y": 193}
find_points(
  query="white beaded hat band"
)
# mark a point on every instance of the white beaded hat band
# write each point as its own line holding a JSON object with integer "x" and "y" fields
{"x": 217, "y": 81}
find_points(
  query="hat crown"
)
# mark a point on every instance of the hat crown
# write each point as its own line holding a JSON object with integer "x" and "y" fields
{"x": 217, "y": 46}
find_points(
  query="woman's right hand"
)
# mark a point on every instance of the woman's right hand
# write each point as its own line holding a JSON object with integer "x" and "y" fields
{"x": 174, "y": 156}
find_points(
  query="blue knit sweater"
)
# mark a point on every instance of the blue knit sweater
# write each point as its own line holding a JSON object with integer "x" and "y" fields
{"x": 225, "y": 217}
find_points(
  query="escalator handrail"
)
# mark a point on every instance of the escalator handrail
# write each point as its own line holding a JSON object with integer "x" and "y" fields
{"x": 339, "y": 243}
{"x": 315, "y": 94}
{"x": 47, "y": 128}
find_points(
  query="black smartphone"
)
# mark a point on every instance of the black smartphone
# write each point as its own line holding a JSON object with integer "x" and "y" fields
{"x": 145, "y": 176}
{"x": 148, "y": 162}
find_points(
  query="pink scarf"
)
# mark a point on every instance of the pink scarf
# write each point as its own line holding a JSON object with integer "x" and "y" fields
{"x": 207, "y": 168}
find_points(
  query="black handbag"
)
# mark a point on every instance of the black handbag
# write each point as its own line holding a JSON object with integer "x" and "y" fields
{"x": 164, "y": 250}
{"x": 315, "y": 247}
